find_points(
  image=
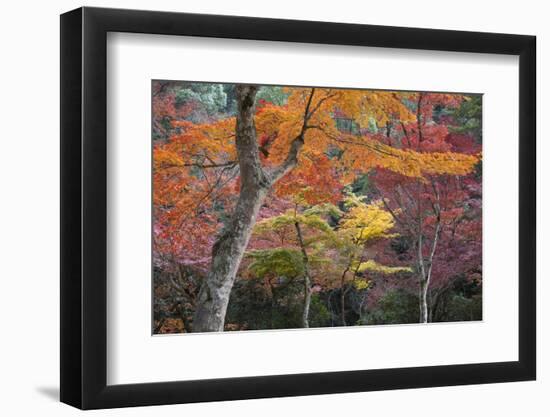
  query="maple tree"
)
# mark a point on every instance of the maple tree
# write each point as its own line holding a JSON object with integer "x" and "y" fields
{"x": 301, "y": 242}
{"x": 358, "y": 228}
{"x": 220, "y": 166}
{"x": 305, "y": 230}
{"x": 434, "y": 207}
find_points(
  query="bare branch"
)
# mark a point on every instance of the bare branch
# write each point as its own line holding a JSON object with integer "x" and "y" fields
{"x": 206, "y": 166}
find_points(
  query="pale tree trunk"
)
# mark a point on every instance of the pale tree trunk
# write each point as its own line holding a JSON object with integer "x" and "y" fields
{"x": 425, "y": 269}
{"x": 307, "y": 277}
{"x": 423, "y": 301}
{"x": 229, "y": 249}
{"x": 307, "y": 301}
{"x": 423, "y": 287}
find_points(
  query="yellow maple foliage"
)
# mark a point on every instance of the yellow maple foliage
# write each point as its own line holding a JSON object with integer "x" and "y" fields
{"x": 364, "y": 222}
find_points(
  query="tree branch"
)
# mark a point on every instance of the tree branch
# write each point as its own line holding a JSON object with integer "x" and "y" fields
{"x": 252, "y": 173}
{"x": 292, "y": 156}
{"x": 205, "y": 166}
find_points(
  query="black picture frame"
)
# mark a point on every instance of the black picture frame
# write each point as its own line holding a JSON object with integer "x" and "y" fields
{"x": 84, "y": 207}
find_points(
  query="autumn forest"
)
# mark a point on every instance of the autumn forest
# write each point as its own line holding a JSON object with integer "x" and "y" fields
{"x": 300, "y": 207}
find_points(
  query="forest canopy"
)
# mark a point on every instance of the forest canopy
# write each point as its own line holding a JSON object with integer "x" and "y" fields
{"x": 293, "y": 207}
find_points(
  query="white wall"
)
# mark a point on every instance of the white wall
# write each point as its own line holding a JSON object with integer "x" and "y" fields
{"x": 29, "y": 237}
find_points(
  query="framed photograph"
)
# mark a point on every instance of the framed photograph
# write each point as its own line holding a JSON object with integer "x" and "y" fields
{"x": 258, "y": 208}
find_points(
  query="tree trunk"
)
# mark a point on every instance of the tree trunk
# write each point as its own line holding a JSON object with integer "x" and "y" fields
{"x": 343, "y": 305}
{"x": 423, "y": 301}
{"x": 229, "y": 249}
{"x": 425, "y": 270}
{"x": 343, "y": 296}
{"x": 307, "y": 277}
{"x": 307, "y": 301}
